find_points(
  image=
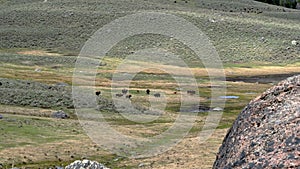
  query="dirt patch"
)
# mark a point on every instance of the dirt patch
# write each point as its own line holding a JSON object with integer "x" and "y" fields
{"x": 38, "y": 53}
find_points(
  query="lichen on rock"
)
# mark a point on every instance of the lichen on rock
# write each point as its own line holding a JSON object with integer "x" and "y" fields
{"x": 267, "y": 132}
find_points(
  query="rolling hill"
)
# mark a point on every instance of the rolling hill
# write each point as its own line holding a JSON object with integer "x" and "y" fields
{"x": 41, "y": 39}
{"x": 241, "y": 30}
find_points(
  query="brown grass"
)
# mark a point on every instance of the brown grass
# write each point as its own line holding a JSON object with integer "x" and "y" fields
{"x": 38, "y": 53}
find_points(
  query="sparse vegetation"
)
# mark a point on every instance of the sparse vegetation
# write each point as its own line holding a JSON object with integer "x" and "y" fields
{"x": 40, "y": 42}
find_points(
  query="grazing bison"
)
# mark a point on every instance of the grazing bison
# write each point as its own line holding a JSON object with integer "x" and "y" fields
{"x": 157, "y": 95}
{"x": 129, "y": 96}
{"x": 119, "y": 95}
{"x": 98, "y": 93}
{"x": 124, "y": 91}
{"x": 137, "y": 91}
{"x": 191, "y": 92}
{"x": 175, "y": 92}
{"x": 148, "y": 91}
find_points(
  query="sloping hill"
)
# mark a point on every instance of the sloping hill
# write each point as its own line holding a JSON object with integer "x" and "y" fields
{"x": 241, "y": 30}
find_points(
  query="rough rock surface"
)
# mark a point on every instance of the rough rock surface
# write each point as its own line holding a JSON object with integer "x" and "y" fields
{"x": 267, "y": 132}
{"x": 85, "y": 164}
{"x": 60, "y": 114}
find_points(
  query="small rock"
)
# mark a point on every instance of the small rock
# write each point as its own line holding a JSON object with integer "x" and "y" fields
{"x": 143, "y": 165}
{"x": 294, "y": 42}
{"x": 212, "y": 20}
{"x": 61, "y": 84}
{"x": 60, "y": 115}
{"x": 262, "y": 39}
{"x": 217, "y": 109}
{"x": 37, "y": 70}
{"x": 178, "y": 89}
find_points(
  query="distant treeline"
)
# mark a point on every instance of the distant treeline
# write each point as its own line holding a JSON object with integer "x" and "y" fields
{"x": 285, "y": 3}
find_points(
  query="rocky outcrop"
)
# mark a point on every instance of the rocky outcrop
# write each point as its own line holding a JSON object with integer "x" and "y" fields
{"x": 60, "y": 114}
{"x": 267, "y": 132}
{"x": 85, "y": 164}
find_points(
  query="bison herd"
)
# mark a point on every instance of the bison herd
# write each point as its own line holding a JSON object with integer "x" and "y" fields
{"x": 124, "y": 92}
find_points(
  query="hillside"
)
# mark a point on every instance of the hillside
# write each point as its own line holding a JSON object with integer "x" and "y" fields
{"x": 241, "y": 31}
{"x": 40, "y": 121}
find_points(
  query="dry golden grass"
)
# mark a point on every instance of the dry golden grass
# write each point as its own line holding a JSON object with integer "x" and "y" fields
{"x": 189, "y": 153}
{"x": 38, "y": 53}
{"x": 4, "y": 109}
{"x": 263, "y": 70}
{"x": 66, "y": 150}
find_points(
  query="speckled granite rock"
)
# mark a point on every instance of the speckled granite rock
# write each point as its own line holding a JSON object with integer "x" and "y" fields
{"x": 267, "y": 132}
{"x": 85, "y": 164}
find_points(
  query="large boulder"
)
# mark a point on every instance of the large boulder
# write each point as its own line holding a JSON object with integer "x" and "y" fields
{"x": 267, "y": 132}
{"x": 85, "y": 164}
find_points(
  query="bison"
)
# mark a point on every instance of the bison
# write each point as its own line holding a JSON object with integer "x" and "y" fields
{"x": 157, "y": 95}
{"x": 98, "y": 93}
{"x": 124, "y": 91}
{"x": 119, "y": 95}
{"x": 191, "y": 92}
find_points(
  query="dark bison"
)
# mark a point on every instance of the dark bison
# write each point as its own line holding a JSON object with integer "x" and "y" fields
{"x": 119, "y": 95}
{"x": 124, "y": 91}
{"x": 129, "y": 96}
{"x": 148, "y": 91}
{"x": 98, "y": 93}
{"x": 157, "y": 95}
{"x": 191, "y": 92}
